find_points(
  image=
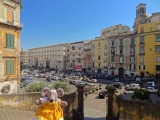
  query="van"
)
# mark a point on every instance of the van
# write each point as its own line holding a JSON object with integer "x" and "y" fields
{"x": 150, "y": 84}
{"x": 133, "y": 86}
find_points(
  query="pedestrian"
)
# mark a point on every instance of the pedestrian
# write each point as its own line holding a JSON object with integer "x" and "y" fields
{"x": 86, "y": 95}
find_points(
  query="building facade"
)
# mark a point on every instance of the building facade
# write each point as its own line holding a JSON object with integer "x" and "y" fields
{"x": 24, "y": 58}
{"x": 148, "y": 56}
{"x": 97, "y": 54}
{"x": 76, "y": 56}
{"x": 121, "y": 55}
{"x": 10, "y": 28}
{"x": 87, "y": 56}
{"x": 53, "y": 56}
{"x": 114, "y": 30}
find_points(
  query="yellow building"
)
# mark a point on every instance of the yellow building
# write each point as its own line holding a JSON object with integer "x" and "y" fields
{"x": 148, "y": 49}
{"x": 24, "y": 57}
{"x": 9, "y": 46}
{"x": 98, "y": 53}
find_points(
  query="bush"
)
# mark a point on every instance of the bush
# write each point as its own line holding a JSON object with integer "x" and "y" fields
{"x": 100, "y": 85}
{"x": 141, "y": 94}
{"x": 35, "y": 87}
{"x": 64, "y": 85}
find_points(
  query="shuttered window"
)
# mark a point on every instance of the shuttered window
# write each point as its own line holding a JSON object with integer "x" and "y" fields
{"x": 9, "y": 66}
{"x": 9, "y": 16}
{"x": 9, "y": 41}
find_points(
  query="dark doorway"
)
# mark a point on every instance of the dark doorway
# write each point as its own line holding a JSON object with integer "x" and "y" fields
{"x": 142, "y": 74}
{"x": 112, "y": 72}
{"x": 121, "y": 72}
{"x": 99, "y": 70}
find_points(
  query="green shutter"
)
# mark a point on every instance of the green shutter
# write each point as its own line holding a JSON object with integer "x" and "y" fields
{"x": 12, "y": 41}
{"x": 12, "y": 66}
{"x": 7, "y": 66}
{"x": 7, "y": 40}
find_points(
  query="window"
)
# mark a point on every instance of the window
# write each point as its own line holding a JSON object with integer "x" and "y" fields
{"x": 157, "y": 67}
{"x": 108, "y": 31}
{"x": 132, "y": 41}
{"x": 105, "y": 64}
{"x": 103, "y": 33}
{"x": 132, "y": 66}
{"x": 112, "y": 58}
{"x": 157, "y": 48}
{"x": 132, "y": 51}
{"x": 142, "y": 39}
{"x": 142, "y": 59}
{"x": 157, "y": 59}
{"x": 9, "y": 15}
{"x": 141, "y": 67}
{"x": 99, "y": 64}
{"x": 142, "y": 49}
{"x": 9, "y": 66}
{"x": 141, "y": 29}
{"x": 99, "y": 44}
{"x": 99, "y": 57}
{"x": 121, "y": 51}
{"x": 121, "y": 42}
{"x": 112, "y": 43}
{"x": 158, "y": 38}
{"x": 120, "y": 59}
{"x": 122, "y": 28}
{"x": 132, "y": 59}
{"x": 105, "y": 57}
{"x": 112, "y": 51}
{"x": 99, "y": 50}
{"x": 9, "y": 41}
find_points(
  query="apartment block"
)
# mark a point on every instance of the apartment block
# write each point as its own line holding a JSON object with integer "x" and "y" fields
{"x": 10, "y": 28}
{"x": 24, "y": 57}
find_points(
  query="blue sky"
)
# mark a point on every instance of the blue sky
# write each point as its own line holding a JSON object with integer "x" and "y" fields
{"x": 48, "y": 22}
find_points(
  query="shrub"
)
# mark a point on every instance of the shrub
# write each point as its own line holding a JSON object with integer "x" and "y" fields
{"x": 35, "y": 87}
{"x": 100, "y": 85}
{"x": 120, "y": 87}
{"x": 141, "y": 94}
{"x": 64, "y": 85}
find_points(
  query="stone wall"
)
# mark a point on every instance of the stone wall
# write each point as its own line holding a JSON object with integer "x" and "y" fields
{"x": 136, "y": 110}
{"x": 26, "y": 101}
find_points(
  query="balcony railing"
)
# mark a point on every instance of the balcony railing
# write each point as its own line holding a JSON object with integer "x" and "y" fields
{"x": 112, "y": 68}
{"x": 13, "y": 23}
{"x": 132, "y": 53}
{"x": 132, "y": 44}
{"x": 141, "y": 53}
{"x": 121, "y": 45}
{"x": 141, "y": 43}
{"x": 112, "y": 46}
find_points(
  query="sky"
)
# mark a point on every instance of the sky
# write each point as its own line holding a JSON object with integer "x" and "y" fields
{"x": 49, "y": 22}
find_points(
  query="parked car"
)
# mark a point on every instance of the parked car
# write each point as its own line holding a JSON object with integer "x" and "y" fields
{"x": 132, "y": 86}
{"x": 35, "y": 75}
{"x": 152, "y": 90}
{"x": 21, "y": 85}
{"x": 49, "y": 78}
{"x": 81, "y": 83}
{"x": 110, "y": 77}
{"x": 102, "y": 94}
{"x": 118, "y": 85}
{"x": 93, "y": 80}
{"x": 116, "y": 79}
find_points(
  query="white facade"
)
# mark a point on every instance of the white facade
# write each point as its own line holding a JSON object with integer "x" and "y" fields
{"x": 49, "y": 56}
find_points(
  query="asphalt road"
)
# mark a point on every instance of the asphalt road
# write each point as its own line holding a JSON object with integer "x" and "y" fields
{"x": 73, "y": 88}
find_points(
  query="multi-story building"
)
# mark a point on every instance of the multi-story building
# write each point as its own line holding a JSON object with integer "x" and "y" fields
{"x": 115, "y": 30}
{"x": 10, "y": 28}
{"x": 121, "y": 54}
{"x": 24, "y": 57}
{"x": 76, "y": 56}
{"x": 53, "y": 56}
{"x": 148, "y": 55}
{"x": 87, "y": 58}
{"x": 142, "y": 17}
{"x": 97, "y": 54}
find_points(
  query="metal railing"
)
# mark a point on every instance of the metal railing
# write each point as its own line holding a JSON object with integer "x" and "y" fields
{"x": 14, "y": 23}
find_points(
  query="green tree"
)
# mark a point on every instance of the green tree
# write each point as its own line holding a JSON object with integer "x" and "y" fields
{"x": 35, "y": 87}
{"x": 141, "y": 94}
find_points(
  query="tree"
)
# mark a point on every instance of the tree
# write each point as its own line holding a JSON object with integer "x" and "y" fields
{"x": 141, "y": 94}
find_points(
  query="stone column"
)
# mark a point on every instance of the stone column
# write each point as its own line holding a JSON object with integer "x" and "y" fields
{"x": 111, "y": 112}
{"x": 79, "y": 115}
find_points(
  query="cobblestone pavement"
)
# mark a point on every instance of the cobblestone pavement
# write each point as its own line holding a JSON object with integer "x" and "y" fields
{"x": 94, "y": 108}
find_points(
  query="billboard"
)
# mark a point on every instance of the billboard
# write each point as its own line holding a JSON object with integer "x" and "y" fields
{"x": 8, "y": 87}
{"x": 78, "y": 68}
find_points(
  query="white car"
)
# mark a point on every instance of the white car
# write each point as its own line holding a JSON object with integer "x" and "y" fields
{"x": 35, "y": 75}
{"x": 93, "y": 80}
{"x": 152, "y": 90}
{"x": 116, "y": 79}
{"x": 138, "y": 79}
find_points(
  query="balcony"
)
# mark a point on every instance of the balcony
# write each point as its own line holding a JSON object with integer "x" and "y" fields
{"x": 113, "y": 46}
{"x": 132, "y": 53}
{"x": 11, "y": 23}
{"x": 121, "y": 54}
{"x": 121, "y": 45}
{"x": 105, "y": 53}
{"x": 112, "y": 68}
{"x": 141, "y": 43}
{"x": 132, "y": 45}
{"x": 121, "y": 62}
{"x": 141, "y": 53}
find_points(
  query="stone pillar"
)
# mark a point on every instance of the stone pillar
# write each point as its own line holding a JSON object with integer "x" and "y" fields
{"x": 111, "y": 112}
{"x": 79, "y": 114}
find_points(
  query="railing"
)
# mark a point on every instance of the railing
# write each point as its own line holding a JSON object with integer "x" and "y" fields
{"x": 141, "y": 53}
{"x": 141, "y": 43}
{"x": 13, "y": 23}
{"x": 112, "y": 68}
